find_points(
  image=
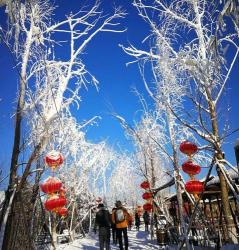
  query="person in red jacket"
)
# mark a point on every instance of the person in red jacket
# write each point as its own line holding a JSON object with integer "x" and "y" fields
{"x": 130, "y": 222}
{"x": 113, "y": 229}
{"x": 120, "y": 217}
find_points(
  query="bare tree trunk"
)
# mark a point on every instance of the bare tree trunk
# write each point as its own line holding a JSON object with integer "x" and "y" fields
{"x": 17, "y": 233}
{"x": 17, "y": 133}
{"x": 219, "y": 156}
{"x": 180, "y": 208}
{"x": 72, "y": 218}
{"x": 13, "y": 168}
{"x": 5, "y": 217}
{"x": 225, "y": 205}
{"x": 53, "y": 231}
{"x": 153, "y": 180}
{"x": 177, "y": 178}
{"x": 90, "y": 224}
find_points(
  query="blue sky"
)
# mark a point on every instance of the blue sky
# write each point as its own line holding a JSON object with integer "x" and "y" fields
{"x": 106, "y": 61}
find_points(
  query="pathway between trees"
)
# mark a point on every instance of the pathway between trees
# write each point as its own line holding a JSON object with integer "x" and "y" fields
{"x": 137, "y": 240}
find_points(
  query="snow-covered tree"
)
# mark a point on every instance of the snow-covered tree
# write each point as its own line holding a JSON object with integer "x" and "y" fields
{"x": 147, "y": 134}
{"x": 190, "y": 64}
{"x": 85, "y": 171}
{"x": 48, "y": 87}
{"x": 124, "y": 182}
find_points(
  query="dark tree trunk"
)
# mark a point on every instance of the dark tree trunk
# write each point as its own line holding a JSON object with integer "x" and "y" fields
{"x": 17, "y": 231}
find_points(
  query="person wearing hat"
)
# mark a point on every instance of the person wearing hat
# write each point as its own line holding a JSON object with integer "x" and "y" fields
{"x": 103, "y": 221}
{"x": 120, "y": 217}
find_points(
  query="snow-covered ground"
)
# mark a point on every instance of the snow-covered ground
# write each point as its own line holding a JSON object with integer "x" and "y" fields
{"x": 137, "y": 240}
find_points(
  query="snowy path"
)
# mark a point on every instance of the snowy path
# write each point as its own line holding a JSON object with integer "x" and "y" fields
{"x": 137, "y": 240}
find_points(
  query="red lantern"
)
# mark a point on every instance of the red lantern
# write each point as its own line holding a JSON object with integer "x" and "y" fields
{"x": 51, "y": 185}
{"x": 147, "y": 196}
{"x": 190, "y": 168}
{"x": 148, "y": 207}
{"x": 194, "y": 187}
{"x": 54, "y": 202}
{"x": 62, "y": 211}
{"x": 188, "y": 148}
{"x": 145, "y": 185}
{"x": 54, "y": 159}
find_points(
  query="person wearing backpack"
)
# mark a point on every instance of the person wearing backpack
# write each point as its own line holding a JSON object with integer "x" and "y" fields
{"x": 103, "y": 221}
{"x": 120, "y": 217}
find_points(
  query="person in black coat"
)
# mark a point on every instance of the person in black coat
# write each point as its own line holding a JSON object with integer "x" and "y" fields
{"x": 137, "y": 220}
{"x": 103, "y": 221}
{"x": 146, "y": 218}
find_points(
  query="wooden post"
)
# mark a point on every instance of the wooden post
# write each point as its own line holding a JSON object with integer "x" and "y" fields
{"x": 90, "y": 224}
{"x": 72, "y": 216}
{"x": 53, "y": 231}
{"x": 223, "y": 226}
{"x": 183, "y": 228}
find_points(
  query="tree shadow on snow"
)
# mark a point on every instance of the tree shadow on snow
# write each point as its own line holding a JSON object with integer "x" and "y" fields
{"x": 142, "y": 240}
{"x": 87, "y": 247}
{"x": 84, "y": 247}
{"x": 142, "y": 235}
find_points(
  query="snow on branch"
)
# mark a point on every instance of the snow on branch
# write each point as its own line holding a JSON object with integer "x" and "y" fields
{"x": 52, "y": 77}
{"x": 187, "y": 54}
{"x": 49, "y": 86}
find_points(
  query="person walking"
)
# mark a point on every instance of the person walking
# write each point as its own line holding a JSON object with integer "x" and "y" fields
{"x": 113, "y": 228}
{"x": 146, "y": 218}
{"x": 103, "y": 222}
{"x": 137, "y": 220}
{"x": 120, "y": 217}
{"x": 130, "y": 222}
